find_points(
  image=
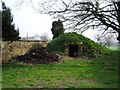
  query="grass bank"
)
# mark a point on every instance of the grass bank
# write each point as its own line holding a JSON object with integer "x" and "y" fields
{"x": 70, "y": 73}
{"x": 115, "y": 48}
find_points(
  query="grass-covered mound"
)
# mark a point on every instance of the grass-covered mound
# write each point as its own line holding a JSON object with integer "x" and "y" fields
{"x": 88, "y": 47}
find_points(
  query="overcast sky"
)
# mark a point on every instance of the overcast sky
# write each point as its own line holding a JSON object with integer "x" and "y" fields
{"x": 28, "y": 21}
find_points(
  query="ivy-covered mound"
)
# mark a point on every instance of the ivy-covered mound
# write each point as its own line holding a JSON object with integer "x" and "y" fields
{"x": 88, "y": 47}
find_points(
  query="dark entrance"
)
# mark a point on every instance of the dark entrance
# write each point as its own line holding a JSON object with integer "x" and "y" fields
{"x": 73, "y": 50}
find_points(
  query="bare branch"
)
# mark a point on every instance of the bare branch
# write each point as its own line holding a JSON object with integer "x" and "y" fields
{"x": 84, "y": 15}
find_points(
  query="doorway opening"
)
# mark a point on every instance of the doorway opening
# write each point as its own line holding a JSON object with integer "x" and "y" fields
{"x": 73, "y": 50}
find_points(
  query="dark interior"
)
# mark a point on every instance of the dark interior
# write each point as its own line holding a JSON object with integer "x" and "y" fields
{"x": 73, "y": 50}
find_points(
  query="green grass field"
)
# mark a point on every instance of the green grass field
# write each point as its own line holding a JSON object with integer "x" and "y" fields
{"x": 115, "y": 48}
{"x": 70, "y": 73}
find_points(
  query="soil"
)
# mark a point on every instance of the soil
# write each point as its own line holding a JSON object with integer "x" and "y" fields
{"x": 40, "y": 56}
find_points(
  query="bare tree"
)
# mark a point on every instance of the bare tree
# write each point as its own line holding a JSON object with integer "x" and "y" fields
{"x": 37, "y": 36}
{"x": 105, "y": 39}
{"x": 44, "y": 37}
{"x": 108, "y": 40}
{"x": 83, "y": 15}
{"x": 98, "y": 37}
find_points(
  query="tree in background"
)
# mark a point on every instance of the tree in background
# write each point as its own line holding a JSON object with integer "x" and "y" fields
{"x": 44, "y": 37}
{"x": 57, "y": 28}
{"x": 108, "y": 40}
{"x": 9, "y": 33}
{"x": 105, "y": 39}
{"x": 98, "y": 37}
{"x": 81, "y": 15}
{"x": 0, "y": 25}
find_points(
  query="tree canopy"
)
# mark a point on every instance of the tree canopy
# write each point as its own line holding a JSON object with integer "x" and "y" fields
{"x": 57, "y": 28}
{"x": 9, "y": 33}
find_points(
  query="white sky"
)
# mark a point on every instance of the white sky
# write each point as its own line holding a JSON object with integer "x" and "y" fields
{"x": 28, "y": 21}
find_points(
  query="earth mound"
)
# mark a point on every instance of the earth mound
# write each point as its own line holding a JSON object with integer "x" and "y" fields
{"x": 71, "y": 43}
{"x": 40, "y": 56}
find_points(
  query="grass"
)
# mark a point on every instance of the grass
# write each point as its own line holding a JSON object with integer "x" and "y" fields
{"x": 115, "y": 48}
{"x": 70, "y": 73}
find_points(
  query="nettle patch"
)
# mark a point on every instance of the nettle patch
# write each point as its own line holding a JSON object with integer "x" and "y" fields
{"x": 73, "y": 44}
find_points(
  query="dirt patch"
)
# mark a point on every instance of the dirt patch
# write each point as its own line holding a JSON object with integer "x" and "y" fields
{"x": 40, "y": 56}
{"x": 89, "y": 80}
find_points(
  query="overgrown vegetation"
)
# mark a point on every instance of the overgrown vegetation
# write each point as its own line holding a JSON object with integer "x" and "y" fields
{"x": 57, "y": 28}
{"x": 88, "y": 47}
{"x": 101, "y": 72}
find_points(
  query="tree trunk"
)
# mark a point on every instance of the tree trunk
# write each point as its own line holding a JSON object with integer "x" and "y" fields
{"x": 118, "y": 5}
{"x": 118, "y": 38}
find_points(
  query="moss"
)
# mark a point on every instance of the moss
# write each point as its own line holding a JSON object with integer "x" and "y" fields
{"x": 89, "y": 48}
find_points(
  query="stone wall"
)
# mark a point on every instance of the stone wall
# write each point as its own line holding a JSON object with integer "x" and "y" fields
{"x": 12, "y": 49}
